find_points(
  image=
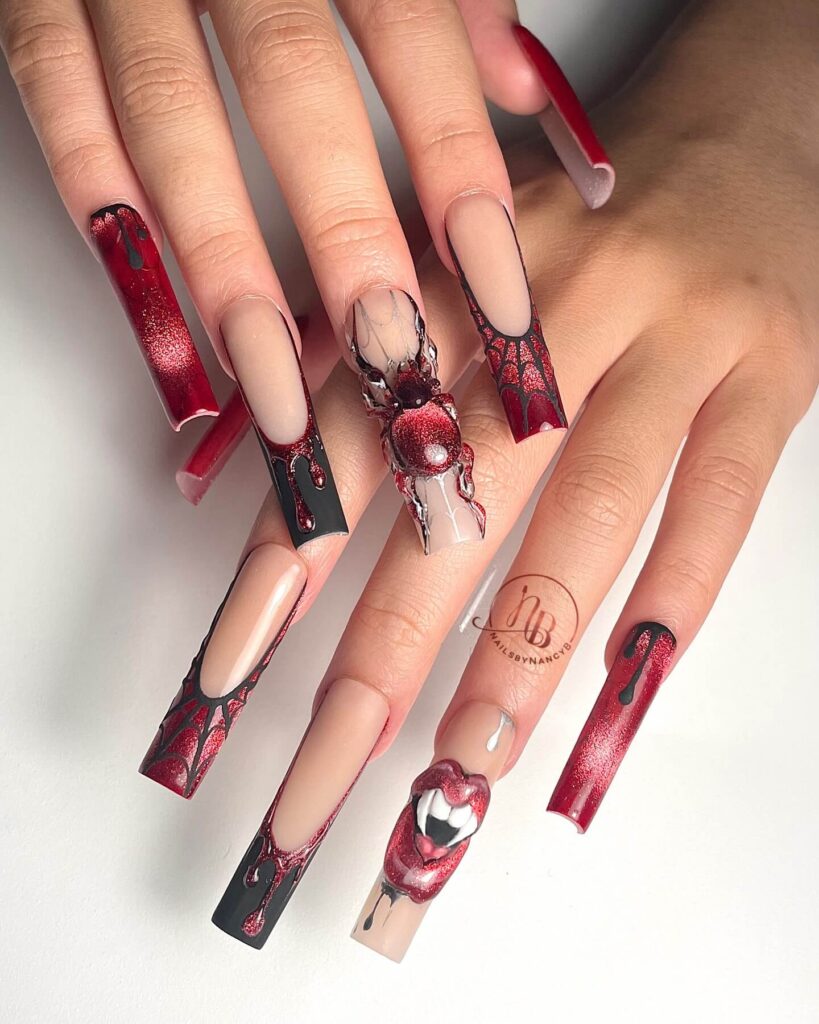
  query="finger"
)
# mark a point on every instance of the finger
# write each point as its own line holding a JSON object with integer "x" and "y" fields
{"x": 172, "y": 117}
{"x": 507, "y": 77}
{"x": 464, "y": 190}
{"x": 53, "y": 58}
{"x": 273, "y": 586}
{"x": 733, "y": 446}
{"x": 302, "y": 98}
{"x": 584, "y": 525}
{"x": 387, "y": 649}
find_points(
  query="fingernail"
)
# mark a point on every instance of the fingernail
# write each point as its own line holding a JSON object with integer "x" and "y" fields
{"x": 490, "y": 267}
{"x": 249, "y": 625}
{"x": 332, "y": 755}
{"x": 447, "y": 806}
{"x": 420, "y": 434}
{"x": 635, "y": 677}
{"x": 214, "y": 449}
{"x": 138, "y": 276}
{"x": 267, "y": 367}
{"x": 567, "y": 126}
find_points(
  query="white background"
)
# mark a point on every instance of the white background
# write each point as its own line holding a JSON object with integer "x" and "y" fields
{"x": 693, "y": 897}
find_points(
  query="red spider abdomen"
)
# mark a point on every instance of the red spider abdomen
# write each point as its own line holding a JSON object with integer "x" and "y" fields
{"x": 425, "y": 441}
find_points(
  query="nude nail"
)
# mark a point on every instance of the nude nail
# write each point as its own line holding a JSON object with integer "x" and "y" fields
{"x": 248, "y": 627}
{"x": 335, "y": 749}
{"x": 267, "y": 367}
{"x": 447, "y": 806}
{"x": 265, "y": 590}
{"x": 490, "y": 267}
{"x": 420, "y": 434}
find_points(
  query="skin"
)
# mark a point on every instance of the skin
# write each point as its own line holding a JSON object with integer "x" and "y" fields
{"x": 122, "y": 95}
{"x": 686, "y": 307}
{"x": 682, "y": 311}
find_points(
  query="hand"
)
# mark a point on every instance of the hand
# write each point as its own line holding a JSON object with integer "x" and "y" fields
{"x": 132, "y": 123}
{"x": 685, "y": 308}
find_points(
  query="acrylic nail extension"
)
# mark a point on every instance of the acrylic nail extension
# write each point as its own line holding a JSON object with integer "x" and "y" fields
{"x": 447, "y": 806}
{"x": 332, "y": 755}
{"x": 490, "y": 267}
{"x": 135, "y": 269}
{"x": 267, "y": 367}
{"x": 249, "y": 625}
{"x": 632, "y": 684}
{"x": 420, "y": 435}
{"x": 214, "y": 449}
{"x": 567, "y": 126}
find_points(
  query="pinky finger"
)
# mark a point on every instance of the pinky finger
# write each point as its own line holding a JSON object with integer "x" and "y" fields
{"x": 724, "y": 468}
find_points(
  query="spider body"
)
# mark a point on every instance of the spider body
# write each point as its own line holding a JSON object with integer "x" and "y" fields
{"x": 420, "y": 435}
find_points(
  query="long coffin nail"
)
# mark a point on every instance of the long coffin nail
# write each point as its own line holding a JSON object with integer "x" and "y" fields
{"x": 635, "y": 677}
{"x": 332, "y": 755}
{"x": 268, "y": 370}
{"x": 136, "y": 271}
{"x": 567, "y": 126}
{"x": 490, "y": 267}
{"x": 447, "y": 805}
{"x": 420, "y": 435}
{"x": 249, "y": 625}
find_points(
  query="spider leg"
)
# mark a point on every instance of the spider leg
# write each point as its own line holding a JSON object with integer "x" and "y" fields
{"x": 466, "y": 485}
{"x": 405, "y": 482}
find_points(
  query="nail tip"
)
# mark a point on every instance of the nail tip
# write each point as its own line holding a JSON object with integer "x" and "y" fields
{"x": 580, "y": 823}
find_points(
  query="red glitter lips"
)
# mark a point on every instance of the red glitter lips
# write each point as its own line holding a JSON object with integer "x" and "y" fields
{"x": 432, "y": 834}
{"x": 138, "y": 276}
{"x": 632, "y": 684}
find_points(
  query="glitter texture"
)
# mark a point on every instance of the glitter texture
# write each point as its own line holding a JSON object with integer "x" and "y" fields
{"x": 138, "y": 276}
{"x": 521, "y": 366}
{"x": 422, "y": 875}
{"x": 195, "y": 726}
{"x": 635, "y": 677}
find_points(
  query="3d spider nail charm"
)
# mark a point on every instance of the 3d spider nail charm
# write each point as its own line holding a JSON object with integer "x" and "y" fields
{"x": 420, "y": 435}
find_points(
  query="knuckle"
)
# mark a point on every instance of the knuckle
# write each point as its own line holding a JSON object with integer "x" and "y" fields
{"x": 217, "y": 245}
{"x": 463, "y": 136}
{"x": 39, "y": 49}
{"x": 398, "y": 624}
{"x": 158, "y": 88}
{"x": 345, "y": 233}
{"x": 728, "y": 485}
{"x": 83, "y": 159}
{"x": 690, "y": 578}
{"x": 281, "y": 44}
{"x": 402, "y": 14}
{"x": 601, "y": 495}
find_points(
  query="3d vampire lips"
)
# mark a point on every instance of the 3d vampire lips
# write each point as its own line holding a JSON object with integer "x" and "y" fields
{"x": 433, "y": 831}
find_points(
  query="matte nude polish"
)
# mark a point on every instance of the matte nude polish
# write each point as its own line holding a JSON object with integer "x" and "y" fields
{"x": 266, "y": 363}
{"x": 638, "y": 670}
{"x": 333, "y": 753}
{"x": 138, "y": 276}
{"x": 249, "y": 625}
{"x": 489, "y": 264}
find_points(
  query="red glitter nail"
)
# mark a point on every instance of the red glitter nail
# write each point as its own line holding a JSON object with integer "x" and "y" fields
{"x": 632, "y": 684}
{"x": 138, "y": 276}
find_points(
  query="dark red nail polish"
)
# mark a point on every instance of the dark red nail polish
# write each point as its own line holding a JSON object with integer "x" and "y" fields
{"x": 567, "y": 126}
{"x": 215, "y": 447}
{"x": 138, "y": 276}
{"x": 635, "y": 677}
